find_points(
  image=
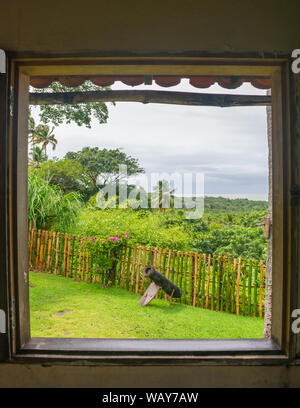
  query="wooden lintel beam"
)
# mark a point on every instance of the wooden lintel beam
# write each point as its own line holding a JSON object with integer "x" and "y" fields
{"x": 146, "y": 96}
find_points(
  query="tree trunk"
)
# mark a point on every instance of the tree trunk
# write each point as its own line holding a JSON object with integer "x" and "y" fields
{"x": 268, "y": 287}
{"x": 111, "y": 277}
{"x": 169, "y": 287}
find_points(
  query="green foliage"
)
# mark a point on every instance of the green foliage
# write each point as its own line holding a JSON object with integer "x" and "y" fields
{"x": 31, "y": 125}
{"x": 48, "y": 208}
{"x": 81, "y": 114}
{"x": 102, "y": 166}
{"x": 237, "y": 240}
{"x": 68, "y": 175}
{"x": 37, "y": 156}
{"x": 214, "y": 233}
{"x": 104, "y": 251}
{"x": 42, "y": 134}
{"x": 144, "y": 227}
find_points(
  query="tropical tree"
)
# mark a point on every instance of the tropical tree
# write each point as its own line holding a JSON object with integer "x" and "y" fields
{"x": 81, "y": 114}
{"x": 102, "y": 166}
{"x": 37, "y": 157}
{"x": 44, "y": 136}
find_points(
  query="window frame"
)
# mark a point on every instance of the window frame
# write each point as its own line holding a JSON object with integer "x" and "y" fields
{"x": 279, "y": 349}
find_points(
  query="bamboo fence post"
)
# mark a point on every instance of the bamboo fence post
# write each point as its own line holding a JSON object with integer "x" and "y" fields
{"x": 49, "y": 251}
{"x": 233, "y": 285}
{"x": 203, "y": 282}
{"x": 199, "y": 278}
{"x": 181, "y": 273}
{"x": 44, "y": 264}
{"x": 261, "y": 287}
{"x": 31, "y": 246}
{"x": 159, "y": 293}
{"x": 133, "y": 267}
{"x": 163, "y": 268}
{"x": 244, "y": 272}
{"x": 154, "y": 257}
{"x": 128, "y": 268}
{"x": 208, "y": 281}
{"x": 123, "y": 267}
{"x": 218, "y": 279}
{"x": 35, "y": 237}
{"x": 37, "y": 249}
{"x": 137, "y": 279}
{"x": 79, "y": 257}
{"x": 65, "y": 254}
{"x": 34, "y": 249}
{"x": 223, "y": 282}
{"x": 73, "y": 237}
{"x": 83, "y": 265}
{"x": 249, "y": 288}
{"x": 184, "y": 278}
{"x": 68, "y": 255}
{"x": 143, "y": 267}
{"x": 228, "y": 283}
{"x": 159, "y": 260}
{"x": 42, "y": 260}
{"x": 176, "y": 274}
{"x": 52, "y": 256}
{"x": 164, "y": 261}
{"x": 212, "y": 300}
{"x": 190, "y": 281}
{"x": 87, "y": 267}
{"x": 168, "y": 267}
{"x": 41, "y": 251}
{"x": 172, "y": 269}
{"x": 195, "y": 279}
{"x": 150, "y": 256}
{"x": 256, "y": 266}
{"x": 56, "y": 253}
{"x": 238, "y": 288}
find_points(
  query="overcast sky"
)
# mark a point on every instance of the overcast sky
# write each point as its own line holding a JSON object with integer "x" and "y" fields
{"x": 228, "y": 145}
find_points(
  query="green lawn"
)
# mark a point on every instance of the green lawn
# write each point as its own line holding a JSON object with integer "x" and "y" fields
{"x": 61, "y": 307}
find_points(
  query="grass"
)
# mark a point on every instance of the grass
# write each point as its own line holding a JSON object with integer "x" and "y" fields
{"x": 61, "y": 307}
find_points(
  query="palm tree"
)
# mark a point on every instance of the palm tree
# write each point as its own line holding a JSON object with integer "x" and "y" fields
{"x": 43, "y": 135}
{"x": 162, "y": 197}
{"x": 37, "y": 157}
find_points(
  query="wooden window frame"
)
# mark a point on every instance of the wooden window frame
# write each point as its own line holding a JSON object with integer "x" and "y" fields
{"x": 280, "y": 349}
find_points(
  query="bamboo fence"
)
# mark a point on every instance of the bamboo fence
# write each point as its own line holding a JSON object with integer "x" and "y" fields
{"x": 215, "y": 282}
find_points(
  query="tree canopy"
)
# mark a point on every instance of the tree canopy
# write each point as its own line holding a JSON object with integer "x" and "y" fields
{"x": 102, "y": 165}
{"x": 82, "y": 114}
